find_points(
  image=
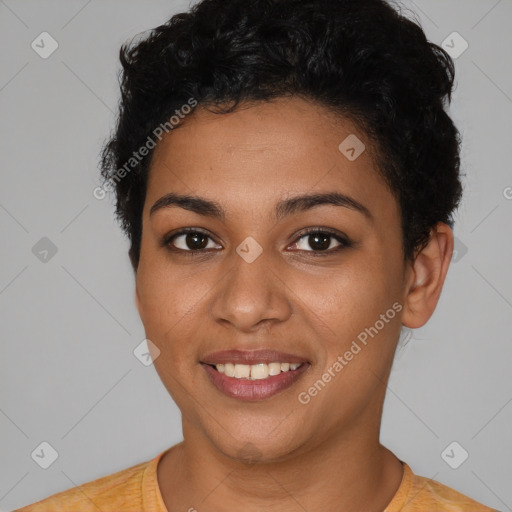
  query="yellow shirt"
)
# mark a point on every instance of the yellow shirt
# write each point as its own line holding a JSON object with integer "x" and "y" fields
{"x": 135, "y": 489}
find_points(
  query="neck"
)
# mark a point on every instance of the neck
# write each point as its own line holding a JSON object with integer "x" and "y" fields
{"x": 347, "y": 471}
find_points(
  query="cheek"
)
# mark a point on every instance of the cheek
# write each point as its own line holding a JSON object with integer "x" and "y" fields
{"x": 170, "y": 323}
{"x": 167, "y": 294}
{"x": 359, "y": 345}
{"x": 347, "y": 310}
{"x": 168, "y": 311}
{"x": 352, "y": 296}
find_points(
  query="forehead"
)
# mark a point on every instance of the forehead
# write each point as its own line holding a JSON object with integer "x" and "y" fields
{"x": 264, "y": 152}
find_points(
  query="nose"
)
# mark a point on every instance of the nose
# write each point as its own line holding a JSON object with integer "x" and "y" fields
{"x": 252, "y": 294}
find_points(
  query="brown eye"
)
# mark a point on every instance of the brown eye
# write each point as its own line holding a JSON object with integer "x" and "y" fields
{"x": 320, "y": 240}
{"x": 190, "y": 241}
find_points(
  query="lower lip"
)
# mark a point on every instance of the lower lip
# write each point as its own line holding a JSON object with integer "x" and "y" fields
{"x": 245, "y": 389}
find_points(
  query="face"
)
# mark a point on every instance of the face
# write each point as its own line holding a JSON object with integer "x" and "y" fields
{"x": 319, "y": 283}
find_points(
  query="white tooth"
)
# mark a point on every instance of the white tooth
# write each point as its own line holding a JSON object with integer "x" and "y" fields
{"x": 274, "y": 368}
{"x": 220, "y": 368}
{"x": 285, "y": 367}
{"x": 242, "y": 371}
{"x": 229, "y": 369}
{"x": 259, "y": 371}
{"x": 294, "y": 366}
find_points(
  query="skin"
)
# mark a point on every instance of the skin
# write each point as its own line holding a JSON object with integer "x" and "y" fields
{"x": 324, "y": 455}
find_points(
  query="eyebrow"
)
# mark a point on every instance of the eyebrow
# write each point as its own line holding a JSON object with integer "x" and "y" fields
{"x": 283, "y": 208}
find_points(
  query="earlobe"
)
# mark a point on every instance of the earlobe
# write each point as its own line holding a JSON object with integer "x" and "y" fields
{"x": 427, "y": 278}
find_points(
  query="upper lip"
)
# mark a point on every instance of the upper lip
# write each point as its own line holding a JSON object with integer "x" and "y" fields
{"x": 251, "y": 357}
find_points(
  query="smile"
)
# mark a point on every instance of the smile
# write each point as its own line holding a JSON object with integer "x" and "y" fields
{"x": 254, "y": 382}
{"x": 255, "y": 371}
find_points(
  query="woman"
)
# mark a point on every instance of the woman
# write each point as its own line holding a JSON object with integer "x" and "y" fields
{"x": 286, "y": 174}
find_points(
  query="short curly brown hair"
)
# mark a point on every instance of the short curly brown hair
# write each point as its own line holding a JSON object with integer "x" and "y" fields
{"x": 362, "y": 59}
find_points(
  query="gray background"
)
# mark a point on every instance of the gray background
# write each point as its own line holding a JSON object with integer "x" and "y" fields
{"x": 69, "y": 325}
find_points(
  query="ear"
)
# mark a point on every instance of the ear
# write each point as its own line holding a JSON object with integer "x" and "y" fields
{"x": 427, "y": 276}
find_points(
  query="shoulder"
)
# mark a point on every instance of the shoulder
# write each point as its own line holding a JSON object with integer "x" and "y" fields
{"x": 417, "y": 494}
{"x": 125, "y": 490}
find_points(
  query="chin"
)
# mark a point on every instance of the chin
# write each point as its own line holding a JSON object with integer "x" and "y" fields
{"x": 257, "y": 448}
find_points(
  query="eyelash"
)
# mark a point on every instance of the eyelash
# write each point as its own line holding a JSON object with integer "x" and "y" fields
{"x": 343, "y": 240}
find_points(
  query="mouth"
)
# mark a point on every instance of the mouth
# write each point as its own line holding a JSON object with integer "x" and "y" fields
{"x": 256, "y": 371}
{"x": 255, "y": 375}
